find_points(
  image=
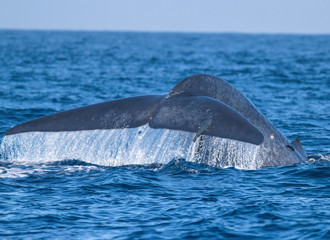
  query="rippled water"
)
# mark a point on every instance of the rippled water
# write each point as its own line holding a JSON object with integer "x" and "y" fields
{"x": 286, "y": 76}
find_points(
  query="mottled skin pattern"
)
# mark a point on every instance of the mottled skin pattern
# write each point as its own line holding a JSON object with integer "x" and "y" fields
{"x": 275, "y": 149}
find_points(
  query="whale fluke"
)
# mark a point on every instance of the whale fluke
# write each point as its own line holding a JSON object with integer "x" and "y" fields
{"x": 122, "y": 113}
{"x": 190, "y": 113}
{"x": 203, "y": 119}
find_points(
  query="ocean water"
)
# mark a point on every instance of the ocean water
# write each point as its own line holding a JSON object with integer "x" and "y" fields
{"x": 286, "y": 76}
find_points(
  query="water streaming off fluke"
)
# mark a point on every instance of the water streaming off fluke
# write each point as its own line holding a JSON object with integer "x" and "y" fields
{"x": 118, "y": 147}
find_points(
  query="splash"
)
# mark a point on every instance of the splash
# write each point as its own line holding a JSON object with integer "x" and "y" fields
{"x": 22, "y": 171}
{"x": 129, "y": 146}
{"x": 318, "y": 157}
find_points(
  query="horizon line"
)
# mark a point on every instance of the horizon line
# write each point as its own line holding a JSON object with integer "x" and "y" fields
{"x": 160, "y": 31}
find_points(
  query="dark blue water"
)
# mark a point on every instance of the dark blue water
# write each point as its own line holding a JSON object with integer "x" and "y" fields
{"x": 286, "y": 76}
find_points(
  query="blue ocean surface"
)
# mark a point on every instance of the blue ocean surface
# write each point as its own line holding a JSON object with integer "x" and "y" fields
{"x": 286, "y": 76}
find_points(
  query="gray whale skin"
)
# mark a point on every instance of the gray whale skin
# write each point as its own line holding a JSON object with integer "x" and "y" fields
{"x": 203, "y": 119}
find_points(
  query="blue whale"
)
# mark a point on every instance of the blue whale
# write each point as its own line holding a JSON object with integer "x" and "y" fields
{"x": 202, "y": 119}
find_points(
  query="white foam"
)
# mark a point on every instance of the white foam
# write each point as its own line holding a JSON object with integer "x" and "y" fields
{"x": 15, "y": 172}
{"x": 117, "y": 147}
{"x": 19, "y": 172}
